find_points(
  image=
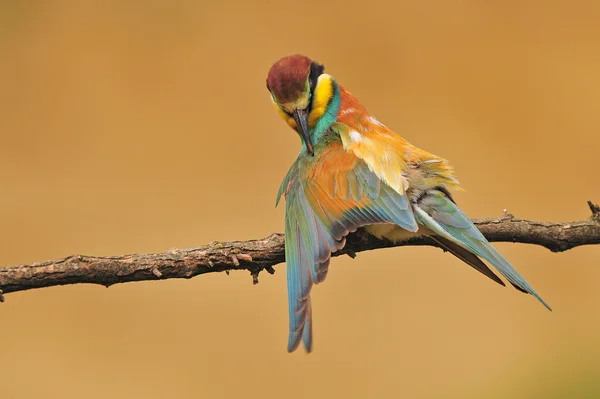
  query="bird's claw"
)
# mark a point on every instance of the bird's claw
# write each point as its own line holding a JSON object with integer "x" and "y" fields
{"x": 1, "y": 296}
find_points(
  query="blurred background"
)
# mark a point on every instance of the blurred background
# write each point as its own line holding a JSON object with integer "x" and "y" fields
{"x": 134, "y": 127}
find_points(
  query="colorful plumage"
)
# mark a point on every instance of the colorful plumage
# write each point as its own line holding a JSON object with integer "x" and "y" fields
{"x": 351, "y": 172}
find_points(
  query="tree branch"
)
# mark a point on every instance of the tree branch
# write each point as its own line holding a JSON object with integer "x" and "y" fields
{"x": 263, "y": 254}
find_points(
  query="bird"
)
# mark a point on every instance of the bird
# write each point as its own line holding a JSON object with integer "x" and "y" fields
{"x": 354, "y": 172}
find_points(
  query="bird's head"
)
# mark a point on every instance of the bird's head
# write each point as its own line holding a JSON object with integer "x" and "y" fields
{"x": 301, "y": 93}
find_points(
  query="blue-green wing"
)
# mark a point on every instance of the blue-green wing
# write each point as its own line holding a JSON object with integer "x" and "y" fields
{"x": 308, "y": 247}
{"x": 321, "y": 210}
{"x": 437, "y": 212}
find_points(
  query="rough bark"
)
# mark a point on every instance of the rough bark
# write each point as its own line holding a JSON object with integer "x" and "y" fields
{"x": 263, "y": 254}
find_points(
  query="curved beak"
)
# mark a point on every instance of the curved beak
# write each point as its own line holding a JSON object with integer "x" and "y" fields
{"x": 301, "y": 118}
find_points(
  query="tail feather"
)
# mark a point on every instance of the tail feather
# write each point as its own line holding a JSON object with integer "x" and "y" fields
{"x": 467, "y": 257}
{"x": 307, "y": 332}
{"x": 438, "y": 213}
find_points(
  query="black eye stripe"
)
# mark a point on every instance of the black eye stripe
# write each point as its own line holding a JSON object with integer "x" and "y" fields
{"x": 316, "y": 70}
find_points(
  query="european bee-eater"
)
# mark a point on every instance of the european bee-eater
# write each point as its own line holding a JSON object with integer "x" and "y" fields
{"x": 352, "y": 171}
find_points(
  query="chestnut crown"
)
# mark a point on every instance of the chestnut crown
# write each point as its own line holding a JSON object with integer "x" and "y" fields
{"x": 292, "y": 79}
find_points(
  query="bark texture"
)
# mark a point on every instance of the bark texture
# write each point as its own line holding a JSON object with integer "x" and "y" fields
{"x": 263, "y": 254}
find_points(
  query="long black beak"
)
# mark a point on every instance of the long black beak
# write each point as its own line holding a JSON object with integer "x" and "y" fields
{"x": 301, "y": 118}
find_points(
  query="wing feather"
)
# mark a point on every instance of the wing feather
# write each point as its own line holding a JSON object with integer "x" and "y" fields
{"x": 437, "y": 212}
{"x": 327, "y": 198}
{"x": 381, "y": 150}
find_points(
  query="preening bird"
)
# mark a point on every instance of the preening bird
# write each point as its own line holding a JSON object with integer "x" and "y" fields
{"x": 351, "y": 172}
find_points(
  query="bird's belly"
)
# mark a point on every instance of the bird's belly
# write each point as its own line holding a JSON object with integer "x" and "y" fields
{"x": 392, "y": 232}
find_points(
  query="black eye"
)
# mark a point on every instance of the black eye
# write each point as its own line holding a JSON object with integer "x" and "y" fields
{"x": 316, "y": 70}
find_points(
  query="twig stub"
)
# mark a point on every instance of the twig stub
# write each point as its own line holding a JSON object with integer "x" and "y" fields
{"x": 595, "y": 209}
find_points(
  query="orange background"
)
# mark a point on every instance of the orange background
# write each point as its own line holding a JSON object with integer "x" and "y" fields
{"x": 143, "y": 126}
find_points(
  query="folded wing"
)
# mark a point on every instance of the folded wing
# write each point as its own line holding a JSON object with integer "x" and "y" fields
{"x": 437, "y": 212}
